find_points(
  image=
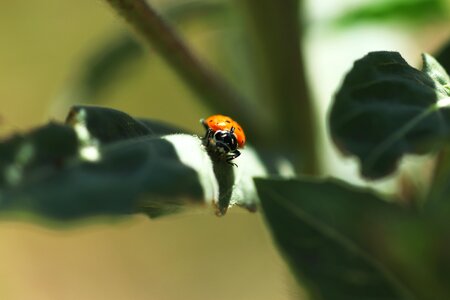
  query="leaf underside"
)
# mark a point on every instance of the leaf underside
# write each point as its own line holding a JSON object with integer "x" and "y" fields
{"x": 320, "y": 227}
{"x": 43, "y": 173}
{"x": 385, "y": 109}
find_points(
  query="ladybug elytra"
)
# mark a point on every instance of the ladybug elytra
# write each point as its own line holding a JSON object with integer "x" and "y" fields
{"x": 225, "y": 135}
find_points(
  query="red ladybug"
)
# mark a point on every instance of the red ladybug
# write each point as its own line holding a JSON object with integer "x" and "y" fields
{"x": 225, "y": 134}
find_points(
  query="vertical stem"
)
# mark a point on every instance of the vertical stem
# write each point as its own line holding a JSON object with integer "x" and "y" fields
{"x": 441, "y": 174}
{"x": 200, "y": 77}
{"x": 275, "y": 29}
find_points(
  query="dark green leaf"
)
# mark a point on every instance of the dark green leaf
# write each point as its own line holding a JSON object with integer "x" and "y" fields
{"x": 108, "y": 163}
{"x": 131, "y": 177}
{"x": 412, "y": 11}
{"x": 337, "y": 227}
{"x": 417, "y": 250}
{"x": 41, "y": 150}
{"x": 110, "y": 125}
{"x": 385, "y": 109}
{"x": 104, "y": 162}
{"x": 322, "y": 228}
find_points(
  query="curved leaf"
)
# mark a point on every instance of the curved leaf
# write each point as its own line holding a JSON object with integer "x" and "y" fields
{"x": 385, "y": 109}
{"x": 109, "y": 125}
{"x": 130, "y": 178}
{"x": 41, "y": 150}
{"x": 323, "y": 228}
{"x": 105, "y": 162}
{"x": 44, "y": 174}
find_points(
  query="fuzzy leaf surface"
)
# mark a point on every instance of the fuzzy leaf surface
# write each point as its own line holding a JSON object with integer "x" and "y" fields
{"x": 133, "y": 170}
{"x": 385, "y": 109}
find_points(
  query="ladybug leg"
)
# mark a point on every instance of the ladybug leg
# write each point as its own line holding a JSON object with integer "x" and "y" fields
{"x": 230, "y": 162}
{"x": 232, "y": 156}
{"x": 236, "y": 153}
{"x": 209, "y": 133}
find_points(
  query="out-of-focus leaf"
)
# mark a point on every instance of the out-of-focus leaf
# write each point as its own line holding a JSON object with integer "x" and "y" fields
{"x": 322, "y": 228}
{"x": 41, "y": 150}
{"x": 108, "y": 163}
{"x": 385, "y": 109}
{"x": 110, "y": 125}
{"x": 417, "y": 250}
{"x": 347, "y": 243}
{"x": 412, "y": 11}
{"x": 105, "y": 162}
{"x": 106, "y": 65}
{"x": 131, "y": 177}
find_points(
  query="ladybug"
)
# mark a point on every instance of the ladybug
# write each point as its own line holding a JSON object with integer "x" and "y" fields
{"x": 225, "y": 135}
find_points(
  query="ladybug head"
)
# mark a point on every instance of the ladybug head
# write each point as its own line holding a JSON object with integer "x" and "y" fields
{"x": 226, "y": 140}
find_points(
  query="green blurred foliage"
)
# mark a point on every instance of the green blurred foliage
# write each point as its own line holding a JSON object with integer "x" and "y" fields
{"x": 134, "y": 170}
{"x": 348, "y": 243}
{"x": 385, "y": 109}
{"x": 343, "y": 243}
{"x": 413, "y": 12}
{"x": 44, "y": 48}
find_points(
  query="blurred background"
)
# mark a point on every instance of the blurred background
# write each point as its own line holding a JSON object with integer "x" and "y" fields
{"x": 47, "y": 46}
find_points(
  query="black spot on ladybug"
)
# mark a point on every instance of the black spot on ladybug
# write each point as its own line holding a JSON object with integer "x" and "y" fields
{"x": 239, "y": 128}
{"x": 210, "y": 121}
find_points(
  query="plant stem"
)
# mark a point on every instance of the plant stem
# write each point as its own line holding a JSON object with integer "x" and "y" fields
{"x": 441, "y": 174}
{"x": 216, "y": 93}
{"x": 279, "y": 68}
